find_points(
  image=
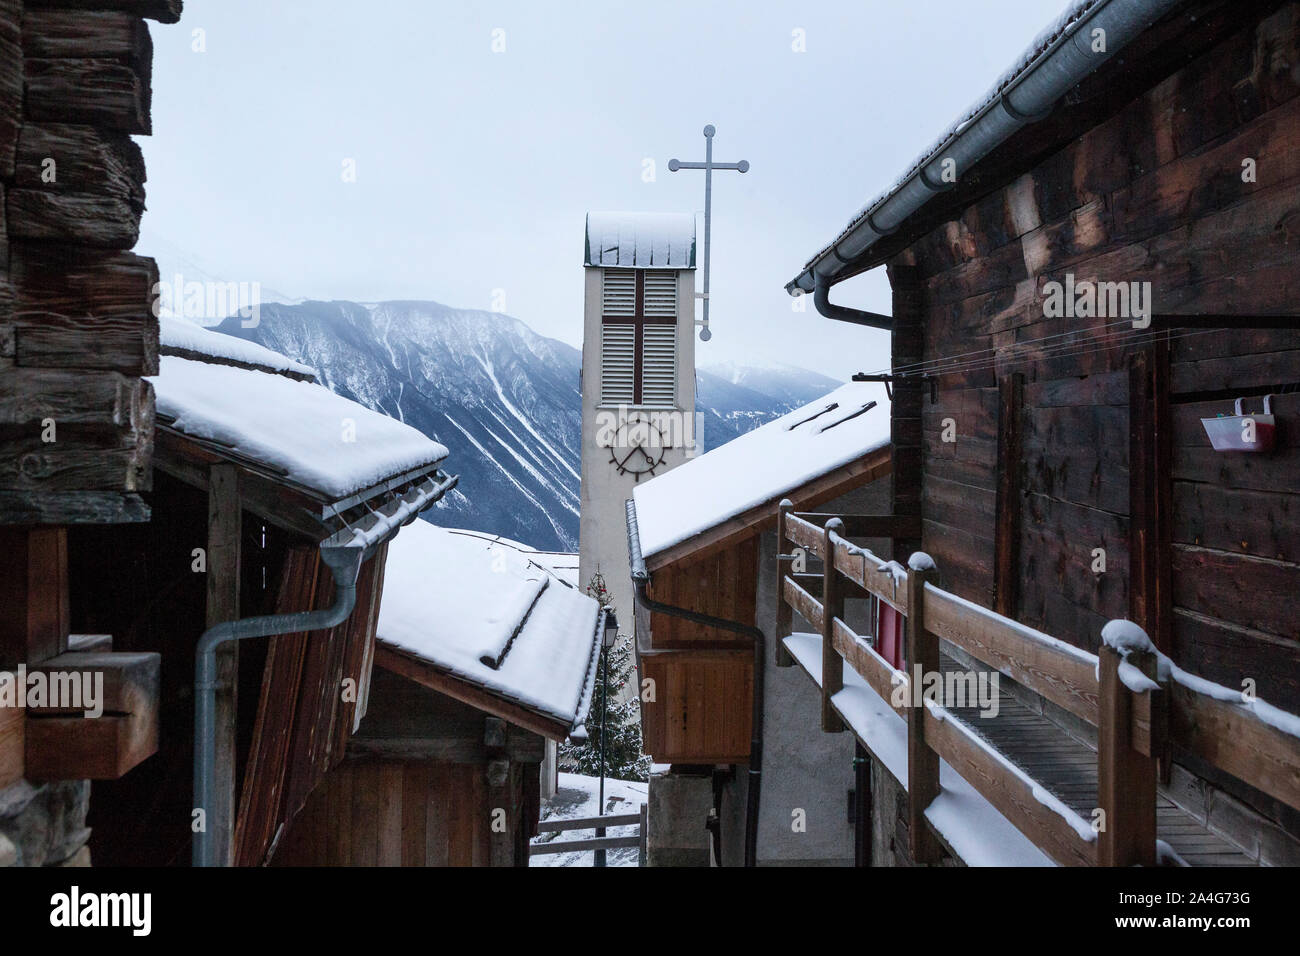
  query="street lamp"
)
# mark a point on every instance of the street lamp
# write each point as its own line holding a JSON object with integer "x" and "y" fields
{"x": 607, "y": 640}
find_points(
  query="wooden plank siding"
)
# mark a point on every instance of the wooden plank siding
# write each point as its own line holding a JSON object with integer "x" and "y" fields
{"x": 394, "y": 813}
{"x": 1153, "y": 193}
{"x": 303, "y": 716}
{"x": 701, "y": 712}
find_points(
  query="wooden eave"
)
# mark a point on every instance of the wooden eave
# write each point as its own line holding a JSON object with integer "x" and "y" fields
{"x": 826, "y": 487}
{"x": 267, "y": 493}
{"x": 428, "y": 674}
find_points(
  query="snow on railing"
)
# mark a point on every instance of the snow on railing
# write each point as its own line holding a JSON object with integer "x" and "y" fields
{"x": 1140, "y": 701}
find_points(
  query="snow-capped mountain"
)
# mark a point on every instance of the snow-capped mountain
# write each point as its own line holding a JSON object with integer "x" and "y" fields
{"x": 503, "y": 399}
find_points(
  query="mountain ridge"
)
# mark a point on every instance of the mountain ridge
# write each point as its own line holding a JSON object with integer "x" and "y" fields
{"x": 504, "y": 399}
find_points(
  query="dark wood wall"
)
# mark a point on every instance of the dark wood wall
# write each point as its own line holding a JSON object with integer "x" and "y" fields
{"x": 1154, "y": 193}
{"x": 137, "y": 582}
{"x": 77, "y": 332}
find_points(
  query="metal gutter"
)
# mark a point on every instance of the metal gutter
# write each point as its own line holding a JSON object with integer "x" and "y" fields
{"x": 343, "y": 552}
{"x": 640, "y": 580}
{"x": 1030, "y": 96}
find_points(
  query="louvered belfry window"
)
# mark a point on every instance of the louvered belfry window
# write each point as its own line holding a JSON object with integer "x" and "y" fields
{"x": 638, "y": 337}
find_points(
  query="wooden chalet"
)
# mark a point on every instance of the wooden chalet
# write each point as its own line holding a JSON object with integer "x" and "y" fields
{"x": 77, "y": 339}
{"x": 484, "y": 654}
{"x": 255, "y": 465}
{"x": 705, "y": 532}
{"x": 1095, "y": 308}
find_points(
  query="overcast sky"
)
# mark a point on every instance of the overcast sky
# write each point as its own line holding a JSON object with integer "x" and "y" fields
{"x": 474, "y": 168}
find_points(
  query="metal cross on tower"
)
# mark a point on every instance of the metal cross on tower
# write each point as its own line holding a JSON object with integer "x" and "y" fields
{"x": 708, "y": 166}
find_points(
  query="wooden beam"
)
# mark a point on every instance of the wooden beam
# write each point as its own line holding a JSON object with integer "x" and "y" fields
{"x": 1150, "y": 494}
{"x": 84, "y": 308}
{"x": 1000, "y": 782}
{"x": 263, "y": 495}
{"x": 832, "y": 608}
{"x": 1063, "y": 674}
{"x": 1228, "y": 735}
{"x": 62, "y": 743}
{"x": 68, "y": 397}
{"x": 71, "y": 507}
{"x": 223, "y": 575}
{"x": 1006, "y": 572}
{"x": 809, "y": 607}
{"x": 783, "y": 626}
{"x": 99, "y": 459}
{"x": 1126, "y": 779}
{"x": 922, "y": 759}
{"x": 871, "y": 667}
{"x": 164, "y": 11}
{"x": 129, "y": 682}
{"x": 12, "y": 723}
{"x": 74, "y": 748}
{"x": 11, "y": 90}
{"x": 907, "y": 347}
{"x": 34, "y": 608}
{"x": 502, "y": 808}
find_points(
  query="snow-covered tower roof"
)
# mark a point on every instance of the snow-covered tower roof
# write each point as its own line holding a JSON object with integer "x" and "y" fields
{"x": 641, "y": 240}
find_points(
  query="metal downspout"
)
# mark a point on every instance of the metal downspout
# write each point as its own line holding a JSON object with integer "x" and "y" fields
{"x": 343, "y": 553}
{"x": 842, "y": 313}
{"x": 640, "y": 579}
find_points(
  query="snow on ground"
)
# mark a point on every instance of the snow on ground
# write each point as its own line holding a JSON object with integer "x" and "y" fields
{"x": 577, "y": 797}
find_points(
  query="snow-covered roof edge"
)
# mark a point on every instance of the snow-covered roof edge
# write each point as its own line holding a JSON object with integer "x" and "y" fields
{"x": 184, "y": 339}
{"x": 856, "y": 436}
{"x": 640, "y": 240}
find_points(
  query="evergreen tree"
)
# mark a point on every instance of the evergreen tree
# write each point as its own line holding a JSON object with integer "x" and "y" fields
{"x": 623, "y": 757}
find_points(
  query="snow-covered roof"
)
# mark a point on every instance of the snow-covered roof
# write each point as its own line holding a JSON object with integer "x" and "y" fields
{"x": 182, "y": 337}
{"x": 562, "y": 564}
{"x": 487, "y": 614}
{"x": 296, "y": 429}
{"x": 761, "y": 465}
{"x": 641, "y": 240}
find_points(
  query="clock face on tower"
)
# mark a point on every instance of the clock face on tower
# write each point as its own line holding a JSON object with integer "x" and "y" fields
{"x": 637, "y": 447}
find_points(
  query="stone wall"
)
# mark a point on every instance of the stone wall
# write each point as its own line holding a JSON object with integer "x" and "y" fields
{"x": 44, "y": 824}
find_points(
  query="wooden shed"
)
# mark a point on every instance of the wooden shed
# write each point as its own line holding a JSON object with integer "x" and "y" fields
{"x": 1096, "y": 258}
{"x": 484, "y": 654}
{"x": 255, "y": 466}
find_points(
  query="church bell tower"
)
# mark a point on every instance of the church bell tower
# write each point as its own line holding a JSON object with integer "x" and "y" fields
{"x": 638, "y": 378}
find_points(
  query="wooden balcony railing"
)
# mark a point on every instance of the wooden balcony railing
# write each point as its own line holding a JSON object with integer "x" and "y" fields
{"x": 1248, "y": 739}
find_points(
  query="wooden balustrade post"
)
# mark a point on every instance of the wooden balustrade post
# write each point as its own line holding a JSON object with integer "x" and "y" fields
{"x": 832, "y": 607}
{"x": 1126, "y": 778}
{"x": 783, "y": 615}
{"x": 922, "y": 761}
